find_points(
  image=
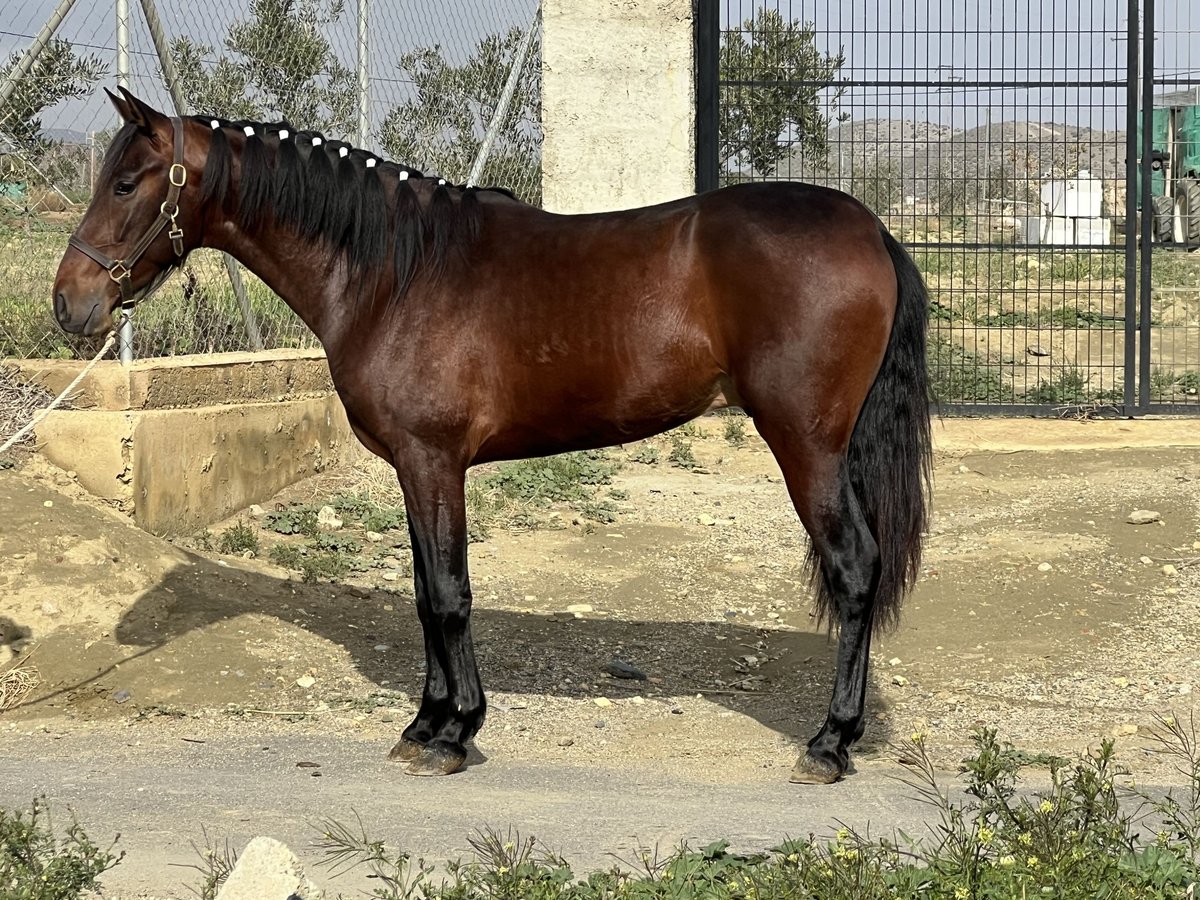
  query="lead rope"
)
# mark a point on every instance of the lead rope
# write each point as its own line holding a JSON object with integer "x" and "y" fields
{"x": 36, "y": 420}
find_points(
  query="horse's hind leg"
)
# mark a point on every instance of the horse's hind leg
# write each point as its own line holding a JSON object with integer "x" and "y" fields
{"x": 819, "y": 485}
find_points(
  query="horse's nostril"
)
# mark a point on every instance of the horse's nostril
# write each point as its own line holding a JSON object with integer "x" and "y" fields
{"x": 60, "y": 306}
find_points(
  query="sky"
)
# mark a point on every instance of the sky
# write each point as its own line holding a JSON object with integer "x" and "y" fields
{"x": 956, "y": 44}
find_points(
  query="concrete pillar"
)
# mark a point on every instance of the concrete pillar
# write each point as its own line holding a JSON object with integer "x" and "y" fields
{"x": 618, "y": 103}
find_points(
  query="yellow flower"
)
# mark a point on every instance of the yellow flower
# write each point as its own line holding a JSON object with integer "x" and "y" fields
{"x": 985, "y": 835}
{"x": 1025, "y": 838}
{"x": 1008, "y": 861}
{"x": 509, "y": 846}
{"x": 1046, "y": 806}
{"x": 793, "y": 857}
{"x": 961, "y": 893}
{"x": 916, "y": 737}
{"x": 1032, "y": 862}
{"x": 503, "y": 870}
{"x": 843, "y": 835}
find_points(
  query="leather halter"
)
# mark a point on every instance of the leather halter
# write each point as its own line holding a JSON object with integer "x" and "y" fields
{"x": 121, "y": 270}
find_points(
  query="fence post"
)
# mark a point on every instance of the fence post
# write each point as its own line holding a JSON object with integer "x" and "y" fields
{"x": 506, "y": 95}
{"x": 125, "y": 328}
{"x": 167, "y": 64}
{"x": 25, "y": 63}
{"x": 1132, "y": 152}
{"x": 364, "y": 83}
{"x": 707, "y": 24}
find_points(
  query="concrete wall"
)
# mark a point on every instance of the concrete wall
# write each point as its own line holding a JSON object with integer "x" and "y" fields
{"x": 618, "y": 103}
{"x": 183, "y": 442}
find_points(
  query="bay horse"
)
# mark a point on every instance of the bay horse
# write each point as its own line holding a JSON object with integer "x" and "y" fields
{"x": 463, "y": 326}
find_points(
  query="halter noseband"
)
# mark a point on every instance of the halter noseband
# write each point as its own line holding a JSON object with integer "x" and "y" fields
{"x": 121, "y": 270}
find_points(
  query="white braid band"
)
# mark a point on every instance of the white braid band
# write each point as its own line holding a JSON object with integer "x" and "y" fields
{"x": 284, "y": 134}
{"x": 249, "y": 131}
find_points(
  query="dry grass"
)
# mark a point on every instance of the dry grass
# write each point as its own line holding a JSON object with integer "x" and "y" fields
{"x": 16, "y": 683}
{"x": 19, "y": 400}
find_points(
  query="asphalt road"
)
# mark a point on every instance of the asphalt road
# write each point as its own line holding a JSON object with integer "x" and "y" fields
{"x": 161, "y": 793}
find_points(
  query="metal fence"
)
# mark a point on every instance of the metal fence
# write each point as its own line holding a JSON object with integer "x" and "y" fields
{"x": 1000, "y": 140}
{"x": 414, "y": 81}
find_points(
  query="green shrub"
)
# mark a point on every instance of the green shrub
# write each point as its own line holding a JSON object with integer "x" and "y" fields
{"x": 735, "y": 432}
{"x": 293, "y": 520}
{"x": 681, "y": 454}
{"x": 287, "y": 555}
{"x": 35, "y": 864}
{"x": 238, "y": 539}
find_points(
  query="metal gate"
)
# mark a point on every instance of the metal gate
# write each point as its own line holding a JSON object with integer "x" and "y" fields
{"x": 1002, "y": 142}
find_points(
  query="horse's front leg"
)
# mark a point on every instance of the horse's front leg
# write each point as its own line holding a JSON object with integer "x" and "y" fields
{"x": 453, "y": 705}
{"x": 435, "y": 698}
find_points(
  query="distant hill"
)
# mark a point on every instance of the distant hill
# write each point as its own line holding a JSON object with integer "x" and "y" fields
{"x": 924, "y": 153}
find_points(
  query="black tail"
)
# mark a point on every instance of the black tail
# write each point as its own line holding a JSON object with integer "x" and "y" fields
{"x": 891, "y": 450}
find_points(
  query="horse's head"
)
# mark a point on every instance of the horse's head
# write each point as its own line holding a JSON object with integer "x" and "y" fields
{"x": 139, "y": 225}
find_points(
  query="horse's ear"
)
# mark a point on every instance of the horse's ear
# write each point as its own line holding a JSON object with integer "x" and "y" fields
{"x": 148, "y": 120}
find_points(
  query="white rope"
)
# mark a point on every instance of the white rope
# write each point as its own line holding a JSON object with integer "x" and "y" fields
{"x": 112, "y": 337}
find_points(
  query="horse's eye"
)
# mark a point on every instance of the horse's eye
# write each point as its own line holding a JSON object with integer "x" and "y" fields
{"x": 123, "y": 188}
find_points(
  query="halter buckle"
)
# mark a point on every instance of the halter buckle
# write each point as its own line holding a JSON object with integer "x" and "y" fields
{"x": 119, "y": 272}
{"x": 177, "y": 175}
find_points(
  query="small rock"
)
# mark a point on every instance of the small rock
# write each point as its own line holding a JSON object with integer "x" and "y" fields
{"x": 1143, "y": 517}
{"x": 579, "y": 608}
{"x": 618, "y": 668}
{"x": 565, "y": 742}
{"x": 1045, "y": 567}
{"x": 390, "y": 576}
{"x": 894, "y": 661}
{"x": 374, "y": 537}
{"x": 48, "y": 504}
{"x": 121, "y": 696}
{"x": 963, "y": 470}
{"x": 1169, "y": 570}
{"x": 705, "y": 519}
{"x": 267, "y": 868}
{"x": 564, "y": 616}
{"x": 327, "y": 519}
{"x": 256, "y": 511}
{"x": 602, "y": 702}
{"x": 49, "y": 609}
{"x": 305, "y": 681}
{"x": 1145, "y": 560}
{"x": 899, "y": 680}
{"x": 382, "y": 648}
{"x": 676, "y": 711}
{"x": 1126, "y": 730}
{"x": 1121, "y": 682}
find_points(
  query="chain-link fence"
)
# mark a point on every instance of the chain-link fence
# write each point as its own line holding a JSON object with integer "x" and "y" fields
{"x": 416, "y": 82}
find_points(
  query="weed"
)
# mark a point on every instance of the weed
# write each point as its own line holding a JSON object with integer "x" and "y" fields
{"x": 692, "y": 429}
{"x": 238, "y": 539}
{"x": 293, "y": 520}
{"x": 324, "y": 566}
{"x": 35, "y": 864}
{"x": 603, "y": 511}
{"x": 647, "y": 455}
{"x": 334, "y": 542}
{"x": 385, "y": 518}
{"x": 289, "y": 556}
{"x": 553, "y": 478}
{"x": 681, "y": 455}
{"x": 215, "y": 865}
{"x": 735, "y": 432}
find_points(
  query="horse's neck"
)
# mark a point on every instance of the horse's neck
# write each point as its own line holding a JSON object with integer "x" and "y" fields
{"x": 310, "y": 278}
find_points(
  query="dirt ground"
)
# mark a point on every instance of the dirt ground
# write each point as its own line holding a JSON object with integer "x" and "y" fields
{"x": 1040, "y": 611}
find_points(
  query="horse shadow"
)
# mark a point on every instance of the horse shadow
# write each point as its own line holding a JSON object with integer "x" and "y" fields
{"x": 785, "y": 687}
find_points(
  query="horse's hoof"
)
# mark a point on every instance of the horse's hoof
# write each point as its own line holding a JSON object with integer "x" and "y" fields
{"x": 811, "y": 770}
{"x": 405, "y": 751}
{"x": 436, "y": 761}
